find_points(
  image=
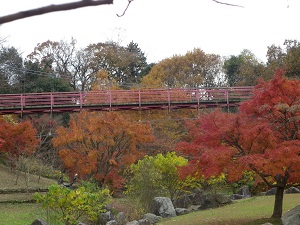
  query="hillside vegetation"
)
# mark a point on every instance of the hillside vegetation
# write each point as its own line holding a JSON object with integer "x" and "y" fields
{"x": 250, "y": 211}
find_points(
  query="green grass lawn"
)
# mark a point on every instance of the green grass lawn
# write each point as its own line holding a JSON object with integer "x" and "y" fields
{"x": 23, "y": 214}
{"x": 19, "y": 213}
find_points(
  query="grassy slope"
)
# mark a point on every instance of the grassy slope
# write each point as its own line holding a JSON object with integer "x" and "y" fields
{"x": 245, "y": 211}
{"x": 8, "y": 180}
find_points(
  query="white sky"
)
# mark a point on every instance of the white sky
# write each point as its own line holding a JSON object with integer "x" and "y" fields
{"x": 161, "y": 28}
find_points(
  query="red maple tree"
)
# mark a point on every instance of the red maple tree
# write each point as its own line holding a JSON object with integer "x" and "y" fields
{"x": 263, "y": 137}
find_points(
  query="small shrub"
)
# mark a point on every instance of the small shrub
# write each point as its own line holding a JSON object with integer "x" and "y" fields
{"x": 71, "y": 205}
{"x": 154, "y": 176}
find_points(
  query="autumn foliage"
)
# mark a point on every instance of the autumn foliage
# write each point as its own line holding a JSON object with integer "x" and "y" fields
{"x": 194, "y": 69}
{"x": 263, "y": 137}
{"x": 101, "y": 145}
{"x": 17, "y": 139}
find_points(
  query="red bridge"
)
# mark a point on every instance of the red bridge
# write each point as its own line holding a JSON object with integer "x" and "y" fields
{"x": 107, "y": 100}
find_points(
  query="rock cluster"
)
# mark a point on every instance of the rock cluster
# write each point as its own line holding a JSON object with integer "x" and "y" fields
{"x": 163, "y": 207}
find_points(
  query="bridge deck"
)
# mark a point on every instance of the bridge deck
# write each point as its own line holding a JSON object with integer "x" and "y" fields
{"x": 107, "y": 100}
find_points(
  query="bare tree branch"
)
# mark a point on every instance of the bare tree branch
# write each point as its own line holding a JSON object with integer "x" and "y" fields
{"x": 53, "y": 8}
{"x": 69, "y": 6}
{"x": 129, "y": 1}
{"x": 224, "y": 3}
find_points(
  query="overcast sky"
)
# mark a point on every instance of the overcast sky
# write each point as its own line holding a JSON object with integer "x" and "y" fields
{"x": 161, "y": 28}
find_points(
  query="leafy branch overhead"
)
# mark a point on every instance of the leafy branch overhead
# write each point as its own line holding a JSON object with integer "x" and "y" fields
{"x": 68, "y": 6}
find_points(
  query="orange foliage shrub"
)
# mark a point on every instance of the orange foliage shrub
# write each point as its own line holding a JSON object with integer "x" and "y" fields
{"x": 101, "y": 145}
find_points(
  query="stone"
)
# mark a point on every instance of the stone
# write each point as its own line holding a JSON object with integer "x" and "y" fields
{"x": 39, "y": 222}
{"x": 134, "y": 222}
{"x": 144, "y": 222}
{"x": 112, "y": 222}
{"x": 197, "y": 197}
{"x": 292, "y": 217}
{"x": 209, "y": 203}
{"x": 121, "y": 218}
{"x": 214, "y": 201}
{"x": 152, "y": 218}
{"x": 222, "y": 199}
{"x": 183, "y": 201}
{"x": 162, "y": 206}
{"x": 237, "y": 196}
{"x": 193, "y": 208}
{"x": 181, "y": 211}
{"x": 244, "y": 191}
{"x": 272, "y": 191}
{"x": 292, "y": 190}
{"x": 105, "y": 217}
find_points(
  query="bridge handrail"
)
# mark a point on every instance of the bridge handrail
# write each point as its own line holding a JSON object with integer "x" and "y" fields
{"x": 117, "y": 97}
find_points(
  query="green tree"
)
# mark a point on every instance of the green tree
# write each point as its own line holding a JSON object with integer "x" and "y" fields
{"x": 244, "y": 69}
{"x": 275, "y": 60}
{"x": 137, "y": 63}
{"x": 35, "y": 79}
{"x": 125, "y": 65}
{"x": 11, "y": 64}
{"x": 292, "y": 60}
{"x": 232, "y": 67}
{"x": 287, "y": 58}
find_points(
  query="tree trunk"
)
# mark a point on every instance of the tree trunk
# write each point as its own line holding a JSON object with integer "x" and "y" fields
{"x": 277, "y": 212}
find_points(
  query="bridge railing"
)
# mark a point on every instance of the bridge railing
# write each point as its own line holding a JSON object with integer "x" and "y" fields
{"x": 113, "y": 98}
